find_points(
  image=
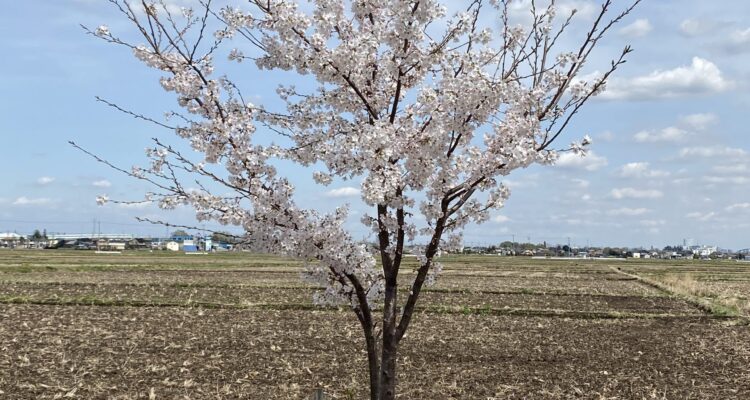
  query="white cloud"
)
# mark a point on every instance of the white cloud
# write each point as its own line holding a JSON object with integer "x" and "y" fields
{"x": 740, "y": 39}
{"x": 634, "y": 169}
{"x": 639, "y": 28}
{"x": 102, "y": 183}
{"x": 669, "y": 134}
{"x": 45, "y": 180}
{"x": 173, "y": 6}
{"x": 641, "y": 170}
{"x": 738, "y": 206}
{"x": 700, "y": 121}
{"x": 500, "y": 219}
{"x": 723, "y": 35}
{"x": 606, "y": 136}
{"x": 519, "y": 9}
{"x": 346, "y": 191}
{"x": 528, "y": 181}
{"x": 581, "y": 183}
{"x": 590, "y": 162}
{"x": 135, "y": 206}
{"x": 712, "y": 152}
{"x": 652, "y": 222}
{"x": 738, "y": 180}
{"x": 633, "y": 193}
{"x": 586, "y": 197}
{"x": 628, "y": 211}
{"x": 583, "y": 8}
{"x": 731, "y": 169}
{"x": 701, "y": 216}
{"x": 26, "y": 201}
{"x": 693, "y": 27}
{"x": 700, "y": 77}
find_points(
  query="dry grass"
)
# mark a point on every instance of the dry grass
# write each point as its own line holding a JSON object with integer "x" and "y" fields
{"x": 687, "y": 284}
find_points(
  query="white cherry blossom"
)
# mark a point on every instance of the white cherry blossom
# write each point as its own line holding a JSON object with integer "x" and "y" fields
{"x": 428, "y": 108}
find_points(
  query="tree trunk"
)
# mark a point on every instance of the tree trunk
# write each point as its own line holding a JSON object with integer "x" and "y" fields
{"x": 388, "y": 373}
{"x": 387, "y": 383}
{"x": 374, "y": 366}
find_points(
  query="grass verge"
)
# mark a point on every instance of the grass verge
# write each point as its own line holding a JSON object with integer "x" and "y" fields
{"x": 686, "y": 288}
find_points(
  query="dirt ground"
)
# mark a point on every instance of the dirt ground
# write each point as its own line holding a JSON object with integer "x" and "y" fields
{"x": 223, "y": 329}
{"x": 130, "y": 352}
{"x": 244, "y": 296}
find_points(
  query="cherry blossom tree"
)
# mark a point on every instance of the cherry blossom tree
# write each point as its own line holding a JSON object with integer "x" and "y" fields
{"x": 429, "y": 108}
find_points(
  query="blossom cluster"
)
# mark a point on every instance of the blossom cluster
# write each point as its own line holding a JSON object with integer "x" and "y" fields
{"x": 429, "y": 108}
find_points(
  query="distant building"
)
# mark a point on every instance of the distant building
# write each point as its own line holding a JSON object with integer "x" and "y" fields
{"x": 112, "y": 246}
{"x": 173, "y": 246}
{"x": 99, "y": 236}
{"x": 182, "y": 238}
{"x": 10, "y": 239}
{"x": 704, "y": 251}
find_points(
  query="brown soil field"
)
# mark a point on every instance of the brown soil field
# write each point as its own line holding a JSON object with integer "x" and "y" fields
{"x": 243, "y": 296}
{"x": 168, "y": 277}
{"x": 130, "y": 352}
{"x": 619, "y": 286}
{"x": 599, "y": 283}
{"x": 239, "y": 326}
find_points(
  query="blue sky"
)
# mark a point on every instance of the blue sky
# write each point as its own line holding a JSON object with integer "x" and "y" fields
{"x": 670, "y": 160}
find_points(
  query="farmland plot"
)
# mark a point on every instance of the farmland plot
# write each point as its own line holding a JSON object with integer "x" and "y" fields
{"x": 242, "y": 327}
{"x": 725, "y": 285}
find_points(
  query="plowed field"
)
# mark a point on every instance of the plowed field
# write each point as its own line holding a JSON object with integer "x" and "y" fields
{"x": 241, "y": 326}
